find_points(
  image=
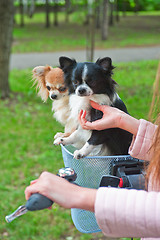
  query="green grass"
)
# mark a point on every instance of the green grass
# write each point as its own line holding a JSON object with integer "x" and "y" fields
{"x": 26, "y": 135}
{"x": 139, "y": 30}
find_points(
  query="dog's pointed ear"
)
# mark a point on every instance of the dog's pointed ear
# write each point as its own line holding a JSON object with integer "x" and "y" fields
{"x": 41, "y": 70}
{"x": 38, "y": 75}
{"x": 105, "y": 63}
{"x": 66, "y": 62}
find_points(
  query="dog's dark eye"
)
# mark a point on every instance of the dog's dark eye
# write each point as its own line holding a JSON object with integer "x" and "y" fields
{"x": 75, "y": 82}
{"x": 62, "y": 89}
{"x": 48, "y": 88}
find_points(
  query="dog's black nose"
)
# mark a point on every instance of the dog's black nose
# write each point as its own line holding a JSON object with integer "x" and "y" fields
{"x": 81, "y": 90}
{"x": 53, "y": 96}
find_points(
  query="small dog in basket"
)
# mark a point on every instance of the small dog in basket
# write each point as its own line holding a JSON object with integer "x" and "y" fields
{"x": 92, "y": 81}
{"x": 50, "y": 83}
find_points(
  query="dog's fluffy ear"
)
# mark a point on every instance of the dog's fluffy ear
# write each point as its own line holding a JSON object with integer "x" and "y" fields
{"x": 39, "y": 74}
{"x": 66, "y": 62}
{"x": 105, "y": 63}
{"x": 41, "y": 70}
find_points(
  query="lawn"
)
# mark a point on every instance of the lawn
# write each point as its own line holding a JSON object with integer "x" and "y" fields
{"x": 130, "y": 31}
{"x": 26, "y": 135}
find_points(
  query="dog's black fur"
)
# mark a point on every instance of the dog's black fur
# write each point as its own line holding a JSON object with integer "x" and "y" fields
{"x": 95, "y": 79}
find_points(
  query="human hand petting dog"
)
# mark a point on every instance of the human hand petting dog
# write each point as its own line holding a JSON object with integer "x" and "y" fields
{"x": 60, "y": 191}
{"x": 112, "y": 118}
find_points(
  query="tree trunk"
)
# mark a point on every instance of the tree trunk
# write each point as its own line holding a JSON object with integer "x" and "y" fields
{"x": 86, "y": 21}
{"x": 67, "y": 10}
{"x": 124, "y": 8}
{"x": 90, "y": 38}
{"x": 47, "y": 14}
{"x": 104, "y": 30}
{"x": 6, "y": 27}
{"x": 111, "y": 14}
{"x": 55, "y": 11}
{"x": 21, "y": 13}
{"x": 31, "y": 9}
{"x": 98, "y": 15}
{"x": 117, "y": 11}
{"x": 136, "y": 6}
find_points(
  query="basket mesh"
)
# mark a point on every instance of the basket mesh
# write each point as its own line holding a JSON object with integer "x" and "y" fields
{"x": 89, "y": 173}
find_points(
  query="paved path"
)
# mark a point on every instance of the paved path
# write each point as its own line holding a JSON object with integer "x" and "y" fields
{"x": 30, "y": 60}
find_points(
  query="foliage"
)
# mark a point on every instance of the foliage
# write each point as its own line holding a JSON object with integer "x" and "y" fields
{"x": 27, "y": 130}
{"x": 129, "y": 32}
{"x": 142, "y": 5}
{"x": 130, "y": 4}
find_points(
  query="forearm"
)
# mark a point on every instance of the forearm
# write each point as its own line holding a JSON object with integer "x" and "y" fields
{"x": 84, "y": 198}
{"x": 73, "y": 196}
{"x": 129, "y": 123}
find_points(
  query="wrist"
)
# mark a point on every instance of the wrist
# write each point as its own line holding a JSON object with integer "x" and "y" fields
{"x": 85, "y": 199}
{"x": 129, "y": 123}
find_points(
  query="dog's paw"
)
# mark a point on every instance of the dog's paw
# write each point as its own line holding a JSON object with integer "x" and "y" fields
{"x": 59, "y": 141}
{"x": 78, "y": 154}
{"x": 59, "y": 135}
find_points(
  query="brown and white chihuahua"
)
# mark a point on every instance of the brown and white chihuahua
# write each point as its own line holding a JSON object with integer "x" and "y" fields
{"x": 50, "y": 83}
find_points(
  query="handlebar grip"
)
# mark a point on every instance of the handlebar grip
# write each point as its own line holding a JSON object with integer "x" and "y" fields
{"x": 38, "y": 201}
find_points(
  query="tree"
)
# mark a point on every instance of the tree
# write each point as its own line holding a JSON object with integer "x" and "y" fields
{"x": 31, "y": 8}
{"x": 124, "y": 7}
{"x": 98, "y": 15}
{"x": 47, "y": 14}
{"x": 55, "y": 9}
{"x": 111, "y": 4}
{"x": 67, "y": 10}
{"x": 117, "y": 11}
{"x": 104, "y": 27}
{"x": 21, "y": 7}
{"x": 90, "y": 37}
{"x": 6, "y": 27}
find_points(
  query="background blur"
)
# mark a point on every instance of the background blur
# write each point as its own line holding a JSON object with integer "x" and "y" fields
{"x": 43, "y": 30}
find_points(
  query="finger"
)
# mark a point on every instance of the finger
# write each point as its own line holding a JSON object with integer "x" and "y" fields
{"x": 80, "y": 115}
{"x": 96, "y": 125}
{"x": 82, "y": 118}
{"x": 88, "y": 125}
{"x": 84, "y": 115}
{"x": 33, "y": 181}
{"x": 29, "y": 191}
{"x": 96, "y": 105}
{"x": 84, "y": 123}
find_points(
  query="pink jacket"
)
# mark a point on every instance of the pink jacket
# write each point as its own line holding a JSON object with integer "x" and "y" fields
{"x": 131, "y": 213}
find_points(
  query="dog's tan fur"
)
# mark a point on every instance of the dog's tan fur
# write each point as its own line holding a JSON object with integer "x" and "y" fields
{"x": 44, "y": 76}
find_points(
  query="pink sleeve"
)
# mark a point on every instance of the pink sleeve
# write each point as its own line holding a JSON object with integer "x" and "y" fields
{"x": 142, "y": 142}
{"x": 128, "y": 213}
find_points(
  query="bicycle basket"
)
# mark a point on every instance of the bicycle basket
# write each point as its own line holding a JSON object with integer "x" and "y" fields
{"x": 89, "y": 173}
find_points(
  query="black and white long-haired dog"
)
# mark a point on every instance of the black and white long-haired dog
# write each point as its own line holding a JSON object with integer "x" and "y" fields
{"x": 93, "y": 81}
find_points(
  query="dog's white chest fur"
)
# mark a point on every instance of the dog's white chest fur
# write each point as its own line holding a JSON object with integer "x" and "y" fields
{"x": 61, "y": 109}
{"x": 77, "y": 103}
